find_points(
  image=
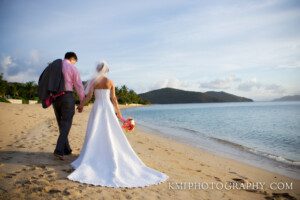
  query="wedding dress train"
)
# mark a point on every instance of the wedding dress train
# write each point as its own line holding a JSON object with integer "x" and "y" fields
{"x": 107, "y": 158}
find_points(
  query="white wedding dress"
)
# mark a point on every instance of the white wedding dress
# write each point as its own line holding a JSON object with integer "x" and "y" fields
{"x": 107, "y": 158}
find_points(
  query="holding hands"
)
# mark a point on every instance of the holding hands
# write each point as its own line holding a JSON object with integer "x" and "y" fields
{"x": 80, "y": 108}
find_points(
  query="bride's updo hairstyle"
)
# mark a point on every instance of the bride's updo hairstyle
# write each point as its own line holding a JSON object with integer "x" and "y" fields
{"x": 102, "y": 67}
{"x": 101, "y": 71}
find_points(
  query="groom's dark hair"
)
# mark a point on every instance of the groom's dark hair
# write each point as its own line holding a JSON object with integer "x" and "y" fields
{"x": 70, "y": 55}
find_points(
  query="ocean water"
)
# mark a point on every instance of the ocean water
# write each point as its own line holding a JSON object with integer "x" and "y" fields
{"x": 263, "y": 134}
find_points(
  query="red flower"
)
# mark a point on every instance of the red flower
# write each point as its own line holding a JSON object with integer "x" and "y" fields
{"x": 128, "y": 124}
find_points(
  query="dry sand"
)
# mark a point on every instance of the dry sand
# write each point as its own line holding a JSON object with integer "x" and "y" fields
{"x": 28, "y": 169}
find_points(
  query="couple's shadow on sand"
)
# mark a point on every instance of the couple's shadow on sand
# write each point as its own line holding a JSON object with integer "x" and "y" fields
{"x": 22, "y": 161}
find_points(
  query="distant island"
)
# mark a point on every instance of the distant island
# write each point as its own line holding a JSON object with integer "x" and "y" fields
{"x": 289, "y": 98}
{"x": 172, "y": 96}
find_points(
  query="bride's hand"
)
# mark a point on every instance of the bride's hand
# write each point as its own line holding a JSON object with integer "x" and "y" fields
{"x": 80, "y": 108}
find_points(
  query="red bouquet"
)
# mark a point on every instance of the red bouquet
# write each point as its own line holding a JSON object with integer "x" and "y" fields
{"x": 128, "y": 124}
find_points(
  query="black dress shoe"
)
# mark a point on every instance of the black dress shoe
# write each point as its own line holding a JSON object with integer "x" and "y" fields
{"x": 68, "y": 153}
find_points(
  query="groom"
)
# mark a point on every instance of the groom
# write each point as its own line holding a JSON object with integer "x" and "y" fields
{"x": 64, "y": 106}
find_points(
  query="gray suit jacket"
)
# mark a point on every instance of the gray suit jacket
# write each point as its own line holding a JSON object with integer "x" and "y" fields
{"x": 51, "y": 81}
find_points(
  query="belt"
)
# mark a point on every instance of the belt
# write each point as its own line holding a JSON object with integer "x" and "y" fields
{"x": 66, "y": 92}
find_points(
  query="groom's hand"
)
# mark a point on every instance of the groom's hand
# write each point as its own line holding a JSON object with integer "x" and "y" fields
{"x": 80, "y": 108}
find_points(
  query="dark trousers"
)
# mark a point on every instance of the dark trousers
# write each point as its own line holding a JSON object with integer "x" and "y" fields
{"x": 64, "y": 109}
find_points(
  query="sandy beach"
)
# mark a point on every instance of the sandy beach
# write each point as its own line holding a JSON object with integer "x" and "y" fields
{"x": 28, "y": 169}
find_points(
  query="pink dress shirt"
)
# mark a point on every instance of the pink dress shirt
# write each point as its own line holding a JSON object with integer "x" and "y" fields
{"x": 72, "y": 78}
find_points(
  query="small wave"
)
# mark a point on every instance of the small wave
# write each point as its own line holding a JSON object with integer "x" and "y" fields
{"x": 258, "y": 152}
{"x": 236, "y": 146}
{"x": 277, "y": 158}
{"x": 189, "y": 130}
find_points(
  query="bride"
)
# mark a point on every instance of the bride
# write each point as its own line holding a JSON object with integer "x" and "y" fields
{"x": 107, "y": 158}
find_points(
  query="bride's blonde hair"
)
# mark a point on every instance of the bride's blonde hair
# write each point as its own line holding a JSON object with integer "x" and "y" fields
{"x": 101, "y": 71}
{"x": 102, "y": 67}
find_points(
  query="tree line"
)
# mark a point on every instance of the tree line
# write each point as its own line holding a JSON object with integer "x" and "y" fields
{"x": 28, "y": 91}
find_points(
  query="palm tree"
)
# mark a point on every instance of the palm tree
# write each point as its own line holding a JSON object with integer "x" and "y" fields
{"x": 31, "y": 90}
{"x": 3, "y": 86}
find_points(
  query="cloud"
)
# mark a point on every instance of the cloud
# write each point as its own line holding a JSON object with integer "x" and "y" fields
{"x": 235, "y": 84}
{"x": 170, "y": 82}
{"x": 9, "y": 66}
{"x": 6, "y": 62}
{"x": 253, "y": 84}
{"x": 232, "y": 84}
{"x": 34, "y": 57}
{"x": 249, "y": 85}
{"x": 174, "y": 82}
{"x": 21, "y": 70}
{"x": 225, "y": 83}
{"x": 25, "y": 76}
{"x": 274, "y": 88}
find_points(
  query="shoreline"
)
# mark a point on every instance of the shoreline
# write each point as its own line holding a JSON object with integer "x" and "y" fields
{"x": 233, "y": 151}
{"x": 28, "y": 169}
{"x": 242, "y": 153}
{"x": 244, "y": 172}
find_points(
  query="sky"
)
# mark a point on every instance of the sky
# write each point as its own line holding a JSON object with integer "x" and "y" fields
{"x": 247, "y": 48}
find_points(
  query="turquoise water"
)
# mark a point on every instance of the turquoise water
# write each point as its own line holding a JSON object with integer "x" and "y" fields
{"x": 266, "y": 134}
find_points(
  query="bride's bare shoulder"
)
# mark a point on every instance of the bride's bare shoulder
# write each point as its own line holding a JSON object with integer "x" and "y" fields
{"x": 110, "y": 82}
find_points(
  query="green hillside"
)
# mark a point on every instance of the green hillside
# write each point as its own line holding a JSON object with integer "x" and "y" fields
{"x": 172, "y": 95}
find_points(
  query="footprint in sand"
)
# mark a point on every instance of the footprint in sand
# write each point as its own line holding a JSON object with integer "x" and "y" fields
{"x": 286, "y": 196}
{"x": 41, "y": 182}
{"x": 243, "y": 177}
{"x": 23, "y": 182}
{"x": 42, "y": 166}
{"x": 41, "y": 175}
{"x": 32, "y": 168}
{"x": 10, "y": 175}
{"x": 66, "y": 192}
{"x": 70, "y": 170}
{"x": 74, "y": 191}
{"x": 51, "y": 177}
{"x": 54, "y": 191}
{"x": 238, "y": 180}
{"x": 128, "y": 196}
{"x": 34, "y": 178}
{"x": 37, "y": 189}
{"x": 21, "y": 146}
